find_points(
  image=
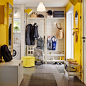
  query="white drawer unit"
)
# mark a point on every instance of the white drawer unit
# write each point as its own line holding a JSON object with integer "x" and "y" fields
{"x": 11, "y": 73}
{"x": 30, "y": 50}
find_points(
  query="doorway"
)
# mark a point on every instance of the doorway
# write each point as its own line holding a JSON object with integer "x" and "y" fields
{"x": 69, "y": 34}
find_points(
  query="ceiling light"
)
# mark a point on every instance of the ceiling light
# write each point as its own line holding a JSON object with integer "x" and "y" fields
{"x": 15, "y": 14}
{"x": 41, "y": 7}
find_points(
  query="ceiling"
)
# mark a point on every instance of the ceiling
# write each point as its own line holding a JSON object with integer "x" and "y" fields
{"x": 47, "y": 3}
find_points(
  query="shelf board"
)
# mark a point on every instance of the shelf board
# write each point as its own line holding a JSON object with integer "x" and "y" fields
{"x": 47, "y": 18}
{"x": 36, "y": 18}
{"x": 54, "y": 51}
{"x": 54, "y": 60}
{"x": 72, "y": 73}
{"x": 55, "y": 54}
{"x": 57, "y": 18}
{"x": 67, "y": 63}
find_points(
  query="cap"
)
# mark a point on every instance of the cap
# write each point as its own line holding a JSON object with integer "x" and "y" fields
{"x": 41, "y": 16}
{"x": 49, "y": 12}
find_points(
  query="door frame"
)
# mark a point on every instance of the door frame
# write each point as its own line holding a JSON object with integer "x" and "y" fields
{"x": 83, "y": 79}
{"x": 71, "y": 10}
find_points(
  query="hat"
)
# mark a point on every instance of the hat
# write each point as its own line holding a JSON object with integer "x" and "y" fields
{"x": 49, "y": 12}
{"x": 41, "y": 16}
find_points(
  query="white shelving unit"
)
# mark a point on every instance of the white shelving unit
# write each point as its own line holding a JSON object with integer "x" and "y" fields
{"x": 45, "y": 33}
{"x": 53, "y": 21}
{"x": 71, "y": 73}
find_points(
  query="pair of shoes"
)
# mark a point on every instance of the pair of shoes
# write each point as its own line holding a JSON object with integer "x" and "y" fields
{"x": 55, "y": 63}
{"x": 59, "y": 63}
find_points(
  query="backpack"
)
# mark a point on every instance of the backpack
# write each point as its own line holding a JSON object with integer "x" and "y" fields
{"x": 6, "y": 53}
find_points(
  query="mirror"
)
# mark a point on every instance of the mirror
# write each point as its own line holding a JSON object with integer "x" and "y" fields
{"x": 76, "y": 18}
{"x": 10, "y": 27}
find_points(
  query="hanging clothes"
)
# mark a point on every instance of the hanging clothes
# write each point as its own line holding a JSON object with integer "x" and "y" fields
{"x": 54, "y": 43}
{"x": 10, "y": 34}
{"x": 49, "y": 43}
{"x": 40, "y": 44}
{"x": 31, "y": 34}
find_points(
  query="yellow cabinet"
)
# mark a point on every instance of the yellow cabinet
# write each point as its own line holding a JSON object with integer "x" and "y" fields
{"x": 2, "y": 14}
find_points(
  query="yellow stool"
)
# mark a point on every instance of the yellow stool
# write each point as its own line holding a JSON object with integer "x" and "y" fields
{"x": 28, "y": 61}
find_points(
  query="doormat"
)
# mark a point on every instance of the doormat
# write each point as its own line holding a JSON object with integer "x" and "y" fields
{"x": 42, "y": 79}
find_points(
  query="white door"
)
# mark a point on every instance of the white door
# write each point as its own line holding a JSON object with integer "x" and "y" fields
{"x": 84, "y": 43}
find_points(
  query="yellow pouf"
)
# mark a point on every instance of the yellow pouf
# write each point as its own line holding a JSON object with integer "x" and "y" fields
{"x": 28, "y": 61}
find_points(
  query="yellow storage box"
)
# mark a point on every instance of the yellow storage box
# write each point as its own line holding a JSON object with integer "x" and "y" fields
{"x": 28, "y": 61}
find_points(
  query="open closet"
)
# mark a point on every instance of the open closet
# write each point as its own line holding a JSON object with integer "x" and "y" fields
{"x": 48, "y": 27}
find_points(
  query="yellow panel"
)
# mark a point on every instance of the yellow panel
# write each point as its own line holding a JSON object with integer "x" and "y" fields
{"x": 2, "y": 34}
{"x": 74, "y": 2}
{"x": 3, "y": 28}
{"x": 2, "y": 14}
{"x": 68, "y": 6}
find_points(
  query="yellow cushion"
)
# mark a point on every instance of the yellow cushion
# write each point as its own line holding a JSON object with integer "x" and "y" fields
{"x": 28, "y": 61}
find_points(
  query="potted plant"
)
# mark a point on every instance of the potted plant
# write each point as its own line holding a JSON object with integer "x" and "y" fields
{"x": 16, "y": 28}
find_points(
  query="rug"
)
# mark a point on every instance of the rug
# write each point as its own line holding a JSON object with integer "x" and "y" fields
{"x": 42, "y": 79}
{"x": 60, "y": 68}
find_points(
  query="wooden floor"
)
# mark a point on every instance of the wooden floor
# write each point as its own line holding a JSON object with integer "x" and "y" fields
{"x": 61, "y": 79}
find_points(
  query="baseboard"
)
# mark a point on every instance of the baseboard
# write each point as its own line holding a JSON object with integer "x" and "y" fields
{"x": 80, "y": 79}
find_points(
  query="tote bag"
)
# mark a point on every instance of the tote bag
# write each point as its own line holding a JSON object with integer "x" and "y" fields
{"x": 59, "y": 34}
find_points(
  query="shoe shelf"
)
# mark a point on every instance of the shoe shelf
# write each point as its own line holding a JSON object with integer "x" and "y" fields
{"x": 71, "y": 73}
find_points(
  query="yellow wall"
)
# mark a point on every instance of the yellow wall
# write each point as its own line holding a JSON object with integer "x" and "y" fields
{"x": 3, "y": 28}
{"x": 77, "y": 45}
